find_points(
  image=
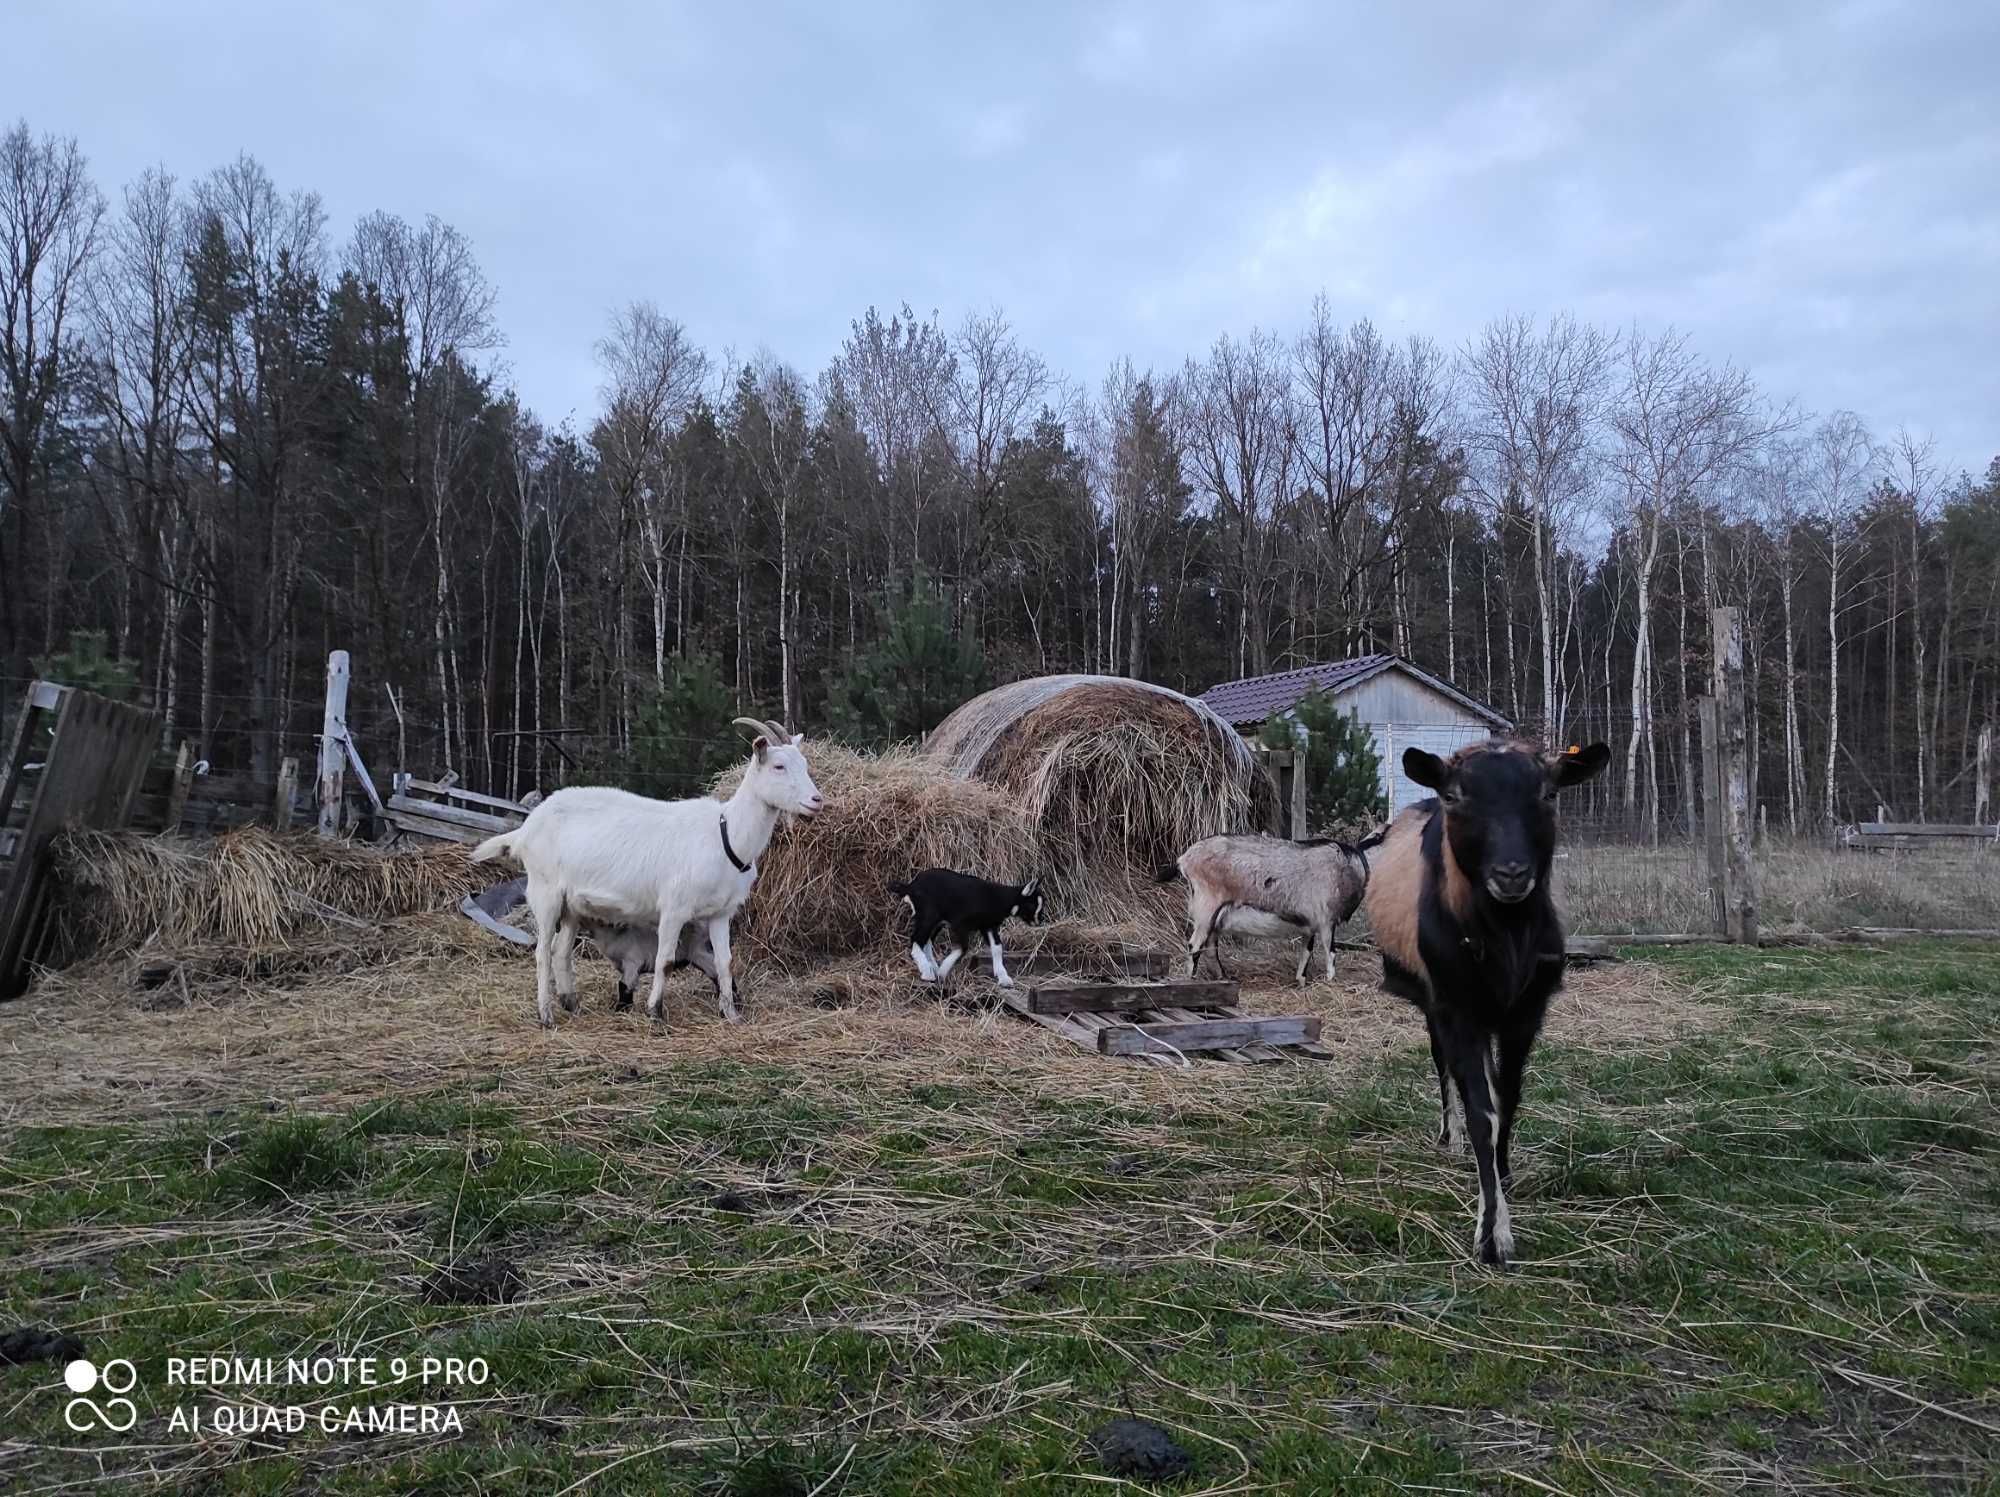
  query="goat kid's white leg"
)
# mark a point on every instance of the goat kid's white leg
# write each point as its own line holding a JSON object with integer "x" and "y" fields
{"x": 999, "y": 964}
{"x": 944, "y": 967}
{"x": 926, "y": 963}
{"x": 669, "y": 934}
{"x": 725, "y": 982}
{"x": 1328, "y": 933}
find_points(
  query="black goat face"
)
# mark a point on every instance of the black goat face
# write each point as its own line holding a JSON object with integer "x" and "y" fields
{"x": 1499, "y": 809}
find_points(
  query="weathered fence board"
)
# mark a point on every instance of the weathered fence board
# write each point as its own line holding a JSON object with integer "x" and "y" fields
{"x": 91, "y": 777}
{"x": 1106, "y": 997}
{"x": 1206, "y": 1034}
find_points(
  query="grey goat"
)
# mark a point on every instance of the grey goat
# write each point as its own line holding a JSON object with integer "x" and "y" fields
{"x": 1262, "y": 886}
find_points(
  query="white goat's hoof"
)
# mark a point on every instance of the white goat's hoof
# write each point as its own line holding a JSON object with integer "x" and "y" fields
{"x": 1006, "y": 982}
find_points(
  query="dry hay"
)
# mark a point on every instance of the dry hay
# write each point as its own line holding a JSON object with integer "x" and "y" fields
{"x": 822, "y": 891}
{"x": 246, "y": 896}
{"x": 83, "y": 1042}
{"x": 1119, "y": 778}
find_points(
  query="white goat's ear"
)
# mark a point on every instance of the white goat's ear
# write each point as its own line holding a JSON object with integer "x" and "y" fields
{"x": 761, "y": 748}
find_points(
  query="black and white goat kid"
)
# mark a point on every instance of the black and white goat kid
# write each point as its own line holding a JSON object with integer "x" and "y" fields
{"x": 1458, "y": 900}
{"x": 972, "y": 907}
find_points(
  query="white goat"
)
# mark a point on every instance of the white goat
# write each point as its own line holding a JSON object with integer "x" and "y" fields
{"x": 609, "y": 857}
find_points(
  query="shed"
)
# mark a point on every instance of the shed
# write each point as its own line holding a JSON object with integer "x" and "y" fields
{"x": 1402, "y": 706}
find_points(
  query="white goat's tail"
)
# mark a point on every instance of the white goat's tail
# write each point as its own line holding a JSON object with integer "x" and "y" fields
{"x": 496, "y": 847}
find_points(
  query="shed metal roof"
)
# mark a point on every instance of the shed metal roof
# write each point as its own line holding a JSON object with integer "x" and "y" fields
{"x": 1255, "y": 698}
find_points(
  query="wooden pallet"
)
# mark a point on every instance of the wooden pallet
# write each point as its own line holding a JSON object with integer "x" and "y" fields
{"x": 1166, "y": 1022}
{"x": 444, "y": 812}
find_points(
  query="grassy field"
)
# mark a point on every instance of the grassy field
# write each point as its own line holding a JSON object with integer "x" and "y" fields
{"x": 1758, "y": 1212}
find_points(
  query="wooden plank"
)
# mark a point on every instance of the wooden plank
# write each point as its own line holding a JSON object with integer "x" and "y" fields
{"x": 1246, "y": 1055}
{"x": 1114, "y": 997}
{"x": 361, "y": 773}
{"x": 94, "y": 768}
{"x": 332, "y": 745}
{"x": 1205, "y": 1034}
{"x": 452, "y": 792}
{"x": 424, "y": 826}
{"x": 1111, "y": 965}
{"x": 1713, "y": 812}
{"x": 1301, "y": 827}
{"x": 288, "y": 786}
{"x": 1079, "y": 1029}
{"x": 1982, "y": 780}
{"x": 1733, "y": 740}
{"x": 34, "y": 702}
{"x": 177, "y": 797}
{"x": 1925, "y": 829}
{"x": 457, "y": 815}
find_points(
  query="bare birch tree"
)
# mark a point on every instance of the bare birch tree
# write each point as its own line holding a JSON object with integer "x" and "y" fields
{"x": 652, "y": 376}
{"x": 1240, "y": 439}
{"x": 1840, "y": 460}
{"x": 1537, "y": 407}
{"x": 1679, "y": 422}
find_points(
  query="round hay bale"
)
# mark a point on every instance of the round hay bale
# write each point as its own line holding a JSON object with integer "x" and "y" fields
{"x": 822, "y": 888}
{"x": 1119, "y": 778}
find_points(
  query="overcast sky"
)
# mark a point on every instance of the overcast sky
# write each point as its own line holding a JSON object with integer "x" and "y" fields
{"x": 1811, "y": 190}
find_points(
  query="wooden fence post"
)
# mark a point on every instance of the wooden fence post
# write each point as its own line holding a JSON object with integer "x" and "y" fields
{"x": 288, "y": 784}
{"x": 333, "y": 744}
{"x": 1300, "y": 829}
{"x": 1982, "y": 788}
{"x": 1726, "y": 629}
{"x": 1714, "y": 809}
{"x": 177, "y": 797}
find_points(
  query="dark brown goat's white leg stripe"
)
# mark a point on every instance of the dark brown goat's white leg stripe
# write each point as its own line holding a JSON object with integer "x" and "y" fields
{"x": 1502, "y": 1221}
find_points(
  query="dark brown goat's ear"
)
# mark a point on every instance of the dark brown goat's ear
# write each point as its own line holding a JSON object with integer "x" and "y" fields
{"x": 1578, "y": 764}
{"x": 1426, "y": 769}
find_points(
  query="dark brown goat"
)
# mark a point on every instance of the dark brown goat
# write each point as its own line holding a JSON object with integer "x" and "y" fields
{"x": 1458, "y": 899}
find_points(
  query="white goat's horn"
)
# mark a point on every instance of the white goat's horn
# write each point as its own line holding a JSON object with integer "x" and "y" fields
{"x": 782, "y": 734}
{"x": 757, "y": 729}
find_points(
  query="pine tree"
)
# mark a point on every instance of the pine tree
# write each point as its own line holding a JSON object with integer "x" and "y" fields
{"x": 909, "y": 682}
{"x": 1343, "y": 771}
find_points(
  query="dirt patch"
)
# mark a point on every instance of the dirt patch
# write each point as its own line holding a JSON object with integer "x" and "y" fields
{"x": 479, "y": 1281}
{"x": 1139, "y": 1449}
{"x": 38, "y": 1344}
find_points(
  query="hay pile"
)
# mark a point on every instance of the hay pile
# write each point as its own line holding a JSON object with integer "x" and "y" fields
{"x": 823, "y": 886}
{"x": 255, "y": 903}
{"x": 1119, "y": 778}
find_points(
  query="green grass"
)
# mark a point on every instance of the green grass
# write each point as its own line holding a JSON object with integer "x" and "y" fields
{"x": 1766, "y": 1255}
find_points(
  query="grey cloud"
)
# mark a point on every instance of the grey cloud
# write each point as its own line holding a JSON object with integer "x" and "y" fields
{"x": 1808, "y": 191}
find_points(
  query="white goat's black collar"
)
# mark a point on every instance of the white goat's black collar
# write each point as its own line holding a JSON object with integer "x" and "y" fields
{"x": 730, "y": 852}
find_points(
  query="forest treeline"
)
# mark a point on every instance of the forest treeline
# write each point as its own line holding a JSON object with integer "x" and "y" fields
{"x": 233, "y": 437}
